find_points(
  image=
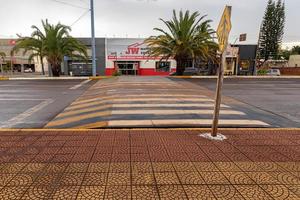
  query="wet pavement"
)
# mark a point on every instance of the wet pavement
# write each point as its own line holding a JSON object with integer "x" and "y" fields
{"x": 149, "y": 164}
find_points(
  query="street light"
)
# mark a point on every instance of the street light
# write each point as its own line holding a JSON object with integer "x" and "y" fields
{"x": 93, "y": 38}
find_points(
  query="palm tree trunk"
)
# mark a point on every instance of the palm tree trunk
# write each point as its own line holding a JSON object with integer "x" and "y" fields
{"x": 180, "y": 67}
{"x": 55, "y": 70}
{"x": 2, "y": 72}
{"x": 42, "y": 64}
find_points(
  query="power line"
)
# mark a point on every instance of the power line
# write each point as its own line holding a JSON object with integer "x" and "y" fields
{"x": 79, "y": 18}
{"x": 69, "y": 4}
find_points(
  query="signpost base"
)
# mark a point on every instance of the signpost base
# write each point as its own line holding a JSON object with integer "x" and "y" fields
{"x": 219, "y": 136}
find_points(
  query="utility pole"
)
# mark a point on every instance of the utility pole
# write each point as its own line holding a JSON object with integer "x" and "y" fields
{"x": 93, "y": 38}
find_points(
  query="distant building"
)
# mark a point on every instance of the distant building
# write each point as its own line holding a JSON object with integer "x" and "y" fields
{"x": 240, "y": 60}
{"x": 294, "y": 61}
{"x": 19, "y": 61}
{"x": 128, "y": 56}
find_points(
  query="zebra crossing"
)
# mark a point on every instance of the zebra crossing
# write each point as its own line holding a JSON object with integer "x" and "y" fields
{"x": 147, "y": 102}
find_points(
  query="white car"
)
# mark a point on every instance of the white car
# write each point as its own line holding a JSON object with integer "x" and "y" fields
{"x": 29, "y": 70}
{"x": 273, "y": 72}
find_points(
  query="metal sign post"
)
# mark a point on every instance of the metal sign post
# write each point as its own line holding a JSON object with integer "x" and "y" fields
{"x": 223, "y": 31}
{"x": 218, "y": 96}
{"x": 223, "y": 34}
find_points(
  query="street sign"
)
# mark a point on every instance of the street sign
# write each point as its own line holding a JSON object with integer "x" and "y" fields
{"x": 224, "y": 29}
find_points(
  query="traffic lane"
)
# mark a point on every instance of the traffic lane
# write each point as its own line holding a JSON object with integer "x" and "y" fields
{"x": 278, "y": 97}
{"x": 32, "y": 103}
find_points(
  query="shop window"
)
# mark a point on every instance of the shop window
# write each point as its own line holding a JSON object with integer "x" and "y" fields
{"x": 244, "y": 65}
{"x": 163, "y": 66}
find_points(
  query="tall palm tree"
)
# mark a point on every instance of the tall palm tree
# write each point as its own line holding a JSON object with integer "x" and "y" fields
{"x": 2, "y": 57}
{"x": 188, "y": 37}
{"x": 53, "y": 43}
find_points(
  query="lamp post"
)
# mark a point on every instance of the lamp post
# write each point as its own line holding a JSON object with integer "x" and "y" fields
{"x": 93, "y": 38}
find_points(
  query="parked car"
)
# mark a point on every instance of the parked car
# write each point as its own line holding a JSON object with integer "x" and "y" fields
{"x": 29, "y": 70}
{"x": 273, "y": 72}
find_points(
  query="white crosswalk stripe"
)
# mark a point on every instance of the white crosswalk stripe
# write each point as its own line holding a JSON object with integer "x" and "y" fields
{"x": 148, "y": 102}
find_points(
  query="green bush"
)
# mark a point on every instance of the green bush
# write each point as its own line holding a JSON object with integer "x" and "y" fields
{"x": 117, "y": 73}
{"x": 262, "y": 72}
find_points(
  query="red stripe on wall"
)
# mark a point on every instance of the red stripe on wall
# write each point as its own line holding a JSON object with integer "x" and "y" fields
{"x": 142, "y": 72}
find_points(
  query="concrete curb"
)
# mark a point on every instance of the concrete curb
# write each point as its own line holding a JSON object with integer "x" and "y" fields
{"x": 157, "y": 129}
{"x": 4, "y": 78}
{"x": 52, "y": 78}
{"x": 237, "y": 77}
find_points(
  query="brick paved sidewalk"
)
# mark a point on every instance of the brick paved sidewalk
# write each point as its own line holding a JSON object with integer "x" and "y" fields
{"x": 149, "y": 164}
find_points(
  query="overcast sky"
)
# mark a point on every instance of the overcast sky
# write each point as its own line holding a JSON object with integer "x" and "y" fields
{"x": 136, "y": 18}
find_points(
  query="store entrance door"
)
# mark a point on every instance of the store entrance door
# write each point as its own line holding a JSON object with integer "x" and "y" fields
{"x": 127, "y": 67}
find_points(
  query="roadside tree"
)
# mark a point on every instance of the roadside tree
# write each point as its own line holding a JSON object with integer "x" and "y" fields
{"x": 272, "y": 30}
{"x": 53, "y": 42}
{"x": 2, "y": 57}
{"x": 188, "y": 36}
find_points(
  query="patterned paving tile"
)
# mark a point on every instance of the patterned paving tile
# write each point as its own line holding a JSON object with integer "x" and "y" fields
{"x": 118, "y": 179}
{"x": 95, "y": 179}
{"x": 238, "y": 178}
{"x": 252, "y": 192}
{"x": 120, "y": 167}
{"x": 198, "y": 192}
{"x": 118, "y": 192}
{"x": 13, "y": 168}
{"x": 144, "y": 192}
{"x": 225, "y": 192}
{"x": 214, "y": 178}
{"x": 174, "y": 192}
{"x": 286, "y": 178}
{"x": 22, "y": 180}
{"x": 184, "y": 167}
{"x": 206, "y": 167}
{"x": 143, "y": 178}
{"x": 163, "y": 167}
{"x": 77, "y": 168}
{"x": 47, "y": 179}
{"x": 38, "y": 192}
{"x": 190, "y": 178}
{"x": 71, "y": 179}
{"x": 91, "y": 192}
{"x": 65, "y": 193}
{"x": 5, "y": 178}
{"x": 55, "y": 167}
{"x": 33, "y": 168}
{"x": 279, "y": 192}
{"x": 295, "y": 189}
{"x": 139, "y": 167}
{"x": 12, "y": 192}
{"x": 227, "y": 166}
{"x": 262, "y": 178}
{"x": 166, "y": 178}
{"x": 98, "y": 167}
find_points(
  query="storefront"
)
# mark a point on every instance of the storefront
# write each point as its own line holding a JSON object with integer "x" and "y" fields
{"x": 240, "y": 60}
{"x": 129, "y": 57}
{"x": 232, "y": 55}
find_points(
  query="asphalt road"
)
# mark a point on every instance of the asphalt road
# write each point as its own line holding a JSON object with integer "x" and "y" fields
{"x": 276, "y": 100}
{"x": 33, "y": 103}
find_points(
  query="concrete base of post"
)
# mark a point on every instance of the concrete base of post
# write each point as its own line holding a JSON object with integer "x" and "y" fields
{"x": 219, "y": 137}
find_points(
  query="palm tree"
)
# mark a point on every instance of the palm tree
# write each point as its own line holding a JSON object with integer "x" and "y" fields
{"x": 2, "y": 57}
{"x": 188, "y": 37}
{"x": 53, "y": 43}
{"x": 34, "y": 45}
